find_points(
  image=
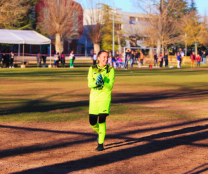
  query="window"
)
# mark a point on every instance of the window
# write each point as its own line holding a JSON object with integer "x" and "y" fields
{"x": 132, "y": 20}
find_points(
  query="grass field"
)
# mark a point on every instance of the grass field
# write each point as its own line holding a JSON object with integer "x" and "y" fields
{"x": 48, "y": 95}
{"x": 157, "y": 118}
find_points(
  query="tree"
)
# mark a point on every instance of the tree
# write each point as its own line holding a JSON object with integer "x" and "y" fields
{"x": 193, "y": 6}
{"x": 93, "y": 24}
{"x": 60, "y": 19}
{"x": 15, "y": 14}
{"x": 196, "y": 29}
{"x": 164, "y": 20}
{"x": 107, "y": 29}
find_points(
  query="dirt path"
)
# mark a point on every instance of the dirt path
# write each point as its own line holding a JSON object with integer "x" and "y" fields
{"x": 130, "y": 147}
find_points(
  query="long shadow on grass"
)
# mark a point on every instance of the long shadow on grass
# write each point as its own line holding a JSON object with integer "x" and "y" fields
{"x": 90, "y": 138}
{"x": 42, "y": 105}
{"x": 153, "y": 145}
{"x": 201, "y": 169}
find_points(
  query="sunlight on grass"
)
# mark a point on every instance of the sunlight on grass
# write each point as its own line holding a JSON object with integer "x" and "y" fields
{"x": 60, "y": 95}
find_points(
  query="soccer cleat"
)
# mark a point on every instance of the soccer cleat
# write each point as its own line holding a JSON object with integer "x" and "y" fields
{"x": 100, "y": 147}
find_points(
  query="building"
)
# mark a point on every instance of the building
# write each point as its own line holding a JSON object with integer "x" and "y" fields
{"x": 133, "y": 25}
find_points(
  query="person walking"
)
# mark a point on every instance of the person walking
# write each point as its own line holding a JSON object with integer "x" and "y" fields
{"x": 198, "y": 60}
{"x": 11, "y": 60}
{"x": 193, "y": 57}
{"x": 100, "y": 80}
{"x": 71, "y": 57}
{"x": 204, "y": 57}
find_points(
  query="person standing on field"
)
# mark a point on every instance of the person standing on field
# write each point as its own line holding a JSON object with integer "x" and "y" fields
{"x": 132, "y": 58}
{"x": 100, "y": 80}
{"x": 11, "y": 57}
{"x": 178, "y": 60}
{"x": 204, "y": 57}
{"x": 193, "y": 57}
{"x": 141, "y": 58}
{"x": 71, "y": 57}
{"x": 198, "y": 59}
{"x": 166, "y": 59}
{"x": 160, "y": 59}
{"x": 155, "y": 59}
{"x": 126, "y": 59}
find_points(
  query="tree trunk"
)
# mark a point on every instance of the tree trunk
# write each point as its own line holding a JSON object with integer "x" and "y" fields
{"x": 97, "y": 48}
{"x": 163, "y": 52}
{"x": 119, "y": 42}
{"x": 196, "y": 51}
{"x": 158, "y": 47}
{"x": 58, "y": 45}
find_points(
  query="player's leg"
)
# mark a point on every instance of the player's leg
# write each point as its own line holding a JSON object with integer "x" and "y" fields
{"x": 104, "y": 109}
{"x": 93, "y": 115}
{"x": 93, "y": 122}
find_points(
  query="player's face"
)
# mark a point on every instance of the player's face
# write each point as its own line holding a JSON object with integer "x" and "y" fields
{"x": 103, "y": 59}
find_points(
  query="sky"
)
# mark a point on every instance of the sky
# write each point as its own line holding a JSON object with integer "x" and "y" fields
{"x": 201, "y": 5}
{"x": 127, "y": 5}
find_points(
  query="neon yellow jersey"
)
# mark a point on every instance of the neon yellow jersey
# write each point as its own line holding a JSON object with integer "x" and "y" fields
{"x": 102, "y": 92}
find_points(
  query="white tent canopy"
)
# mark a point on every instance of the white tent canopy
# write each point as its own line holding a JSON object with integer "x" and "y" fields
{"x": 22, "y": 37}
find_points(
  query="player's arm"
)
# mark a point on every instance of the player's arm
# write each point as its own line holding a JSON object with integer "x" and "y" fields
{"x": 91, "y": 81}
{"x": 108, "y": 83}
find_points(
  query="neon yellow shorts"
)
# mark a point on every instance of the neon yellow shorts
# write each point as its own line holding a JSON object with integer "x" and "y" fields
{"x": 99, "y": 107}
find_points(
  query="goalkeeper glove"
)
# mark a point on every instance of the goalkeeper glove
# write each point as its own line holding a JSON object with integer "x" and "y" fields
{"x": 99, "y": 80}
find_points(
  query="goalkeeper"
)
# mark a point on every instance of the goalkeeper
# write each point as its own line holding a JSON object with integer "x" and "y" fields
{"x": 100, "y": 79}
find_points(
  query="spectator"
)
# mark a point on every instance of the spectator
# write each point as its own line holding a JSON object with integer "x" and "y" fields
{"x": 117, "y": 54}
{"x": 113, "y": 61}
{"x": 62, "y": 60}
{"x": 160, "y": 59}
{"x": 121, "y": 63}
{"x": 11, "y": 59}
{"x": 141, "y": 58}
{"x": 94, "y": 58}
{"x": 132, "y": 58}
{"x": 71, "y": 57}
{"x": 166, "y": 59}
{"x": 127, "y": 56}
{"x": 182, "y": 57}
{"x": 44, "y": 59}
{"x": 198, "y": 59}
{"x": 204, "y": 57}
{"x": 178, "y": 60}
{"x": 155, "y": 59}
{"x": 193, "y": 57}
{"x": 57, "y": 60}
